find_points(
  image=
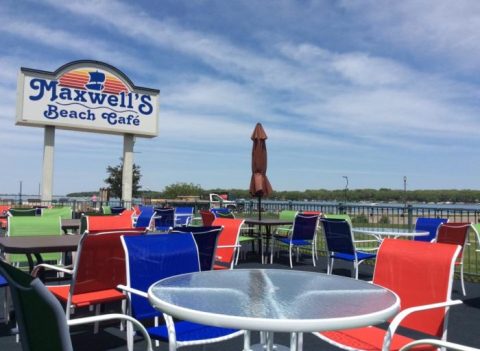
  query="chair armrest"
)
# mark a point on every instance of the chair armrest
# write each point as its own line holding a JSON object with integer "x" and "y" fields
{"x": 132, "y": 290}
{"x": 401, "y": 316}
{"x": 439, "y": 343}
{"x": 36, "y": 269}
{"x": 105, "y": 317}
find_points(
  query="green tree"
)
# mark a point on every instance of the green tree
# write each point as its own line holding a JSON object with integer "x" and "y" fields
{"x": 114, "y": 180}
{"x": 181, "y": 189}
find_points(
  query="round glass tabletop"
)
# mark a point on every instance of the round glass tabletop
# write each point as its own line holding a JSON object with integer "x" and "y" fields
{"x": 273, "y": 300}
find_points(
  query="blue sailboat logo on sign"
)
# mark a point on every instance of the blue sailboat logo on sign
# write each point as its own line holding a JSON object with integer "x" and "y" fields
{"x": 96, "y": 81}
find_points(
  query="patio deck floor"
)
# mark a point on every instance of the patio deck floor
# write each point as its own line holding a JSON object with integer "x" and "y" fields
{"x": 464, "y": 319}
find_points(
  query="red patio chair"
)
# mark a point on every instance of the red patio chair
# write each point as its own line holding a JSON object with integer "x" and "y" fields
{"x": 227, "y": 243}
{"x": 455, "y": 233}
{"x": 96, "y": 224}
{"x": 421, "y": 274}
{"x": 207, "y": 218}
{"x": 99, "y": 267}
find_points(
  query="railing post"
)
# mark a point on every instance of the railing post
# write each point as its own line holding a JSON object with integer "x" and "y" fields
{"x": 410, "y": 216}
{"x": 290, "y": 205}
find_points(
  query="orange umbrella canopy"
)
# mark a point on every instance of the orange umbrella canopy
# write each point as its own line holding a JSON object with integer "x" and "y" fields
{"x": 259, "y": 184}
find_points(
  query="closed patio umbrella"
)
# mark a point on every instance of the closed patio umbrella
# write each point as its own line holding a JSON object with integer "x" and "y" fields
{"x": 259, "y": 184}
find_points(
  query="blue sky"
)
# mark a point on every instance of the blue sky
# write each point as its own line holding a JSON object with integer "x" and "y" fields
{"x": 373, "y": 90}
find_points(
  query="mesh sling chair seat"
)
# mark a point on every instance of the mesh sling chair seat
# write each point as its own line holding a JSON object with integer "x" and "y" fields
{"x": 303, "y": 233}
{"x": 421, "y": 274}
{"x": 430, "y": 225}
{"x": 341, "y": 245}
{"x": 151, "y": 258}
{"x": 98, "y": 268}
{"x": 41, "y": 320}
{"x": 455, "y": 233}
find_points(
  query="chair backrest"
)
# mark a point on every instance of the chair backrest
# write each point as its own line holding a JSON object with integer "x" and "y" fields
{"x": 144, "y": 220}
{"x": 100, "y": 262}
{"x": 341, "y": 216}
{"x": 287, "y": 215}
{"x": 419, "y": 273}
{"x": 227, "y": 242}
{"x": 207, "y": 218}
{"x": 166, "y": 217}
{"x": 183, "y": 215}
{"x": 150, "y": 258}
{"x": 476, "y": 230}
{"x": 4, "y": 209}
{"x": 338, "y": 235}
{"x": 23, "y": 212}
{"x": 304, "y": 227}
{"x": 206, "y": 239}
{"x": 455, "y": 233}
{"x": 117, "y": 209}
{"x": 34, "y": 226}
{"x": 95, "y": 224}
{"x": 430, "y": 225}
{"x": 222, "y": 212}
{"x": 41, "y": 319}
{"x": 106, "y": 209}
{"x": 62, "y": 212}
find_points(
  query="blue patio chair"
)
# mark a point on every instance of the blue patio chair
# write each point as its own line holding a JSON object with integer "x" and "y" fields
{"x": 222, "y": 212}
{"x": 155, "y": 257}
{"x": 430, "y": 225}
{"x": 341, "y": 245}
{"x": 145, "y": 218}
{"x": 164, "y": 218}
{"x": 206, "y": 239}
{"x": 117, "y": 209}
{"x": 303, "y": 233}
{"x": 183, "y": 216}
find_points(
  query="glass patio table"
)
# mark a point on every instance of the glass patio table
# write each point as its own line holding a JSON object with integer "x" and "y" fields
{"x": 274, "y": 300}
{"x": 381, "y": 233}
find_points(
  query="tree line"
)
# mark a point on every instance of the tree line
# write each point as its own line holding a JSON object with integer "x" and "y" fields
{"x": 172, "y": 191}
{"x": 339, "y": 195}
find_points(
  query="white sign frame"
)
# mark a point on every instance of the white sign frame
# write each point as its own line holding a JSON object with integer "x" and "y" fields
{"x": 75, "y": 97}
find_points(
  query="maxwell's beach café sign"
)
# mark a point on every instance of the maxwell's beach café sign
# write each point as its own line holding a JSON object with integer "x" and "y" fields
{"x": 89, "y": 96}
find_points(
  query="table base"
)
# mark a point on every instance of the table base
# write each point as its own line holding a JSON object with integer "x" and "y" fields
{"x": 262, "y": 347}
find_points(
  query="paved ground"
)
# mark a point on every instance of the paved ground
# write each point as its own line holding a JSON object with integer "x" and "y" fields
{"x": 463, "y": 324}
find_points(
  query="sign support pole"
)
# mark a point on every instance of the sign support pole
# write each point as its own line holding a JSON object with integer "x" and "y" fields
{"x": 127, "y": 175}
{"x": 48, "y": 156}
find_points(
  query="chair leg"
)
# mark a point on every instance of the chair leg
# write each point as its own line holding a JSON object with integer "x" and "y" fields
{"x": 96, "y": 325}
{"x": 462, "y": 281}
{"x": 355, "y": 267}
{"x": 290, "y": 254}
{"x": 330, "y": 265}
{"x": 246, "y": 341}
{"x": 313, "y": 254}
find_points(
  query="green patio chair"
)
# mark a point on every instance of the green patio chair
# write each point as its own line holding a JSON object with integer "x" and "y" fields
{"x": 106, "y": 210}
{"x": 41, "y": 320}
{"x": 287, "y": 215}
{"x": 33, "y": 226}
{"x": 62, "y": 212}
{"x": 23, "y": 212}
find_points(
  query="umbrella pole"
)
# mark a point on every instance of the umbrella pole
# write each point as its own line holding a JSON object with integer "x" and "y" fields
{"x": 260, "y": 208}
